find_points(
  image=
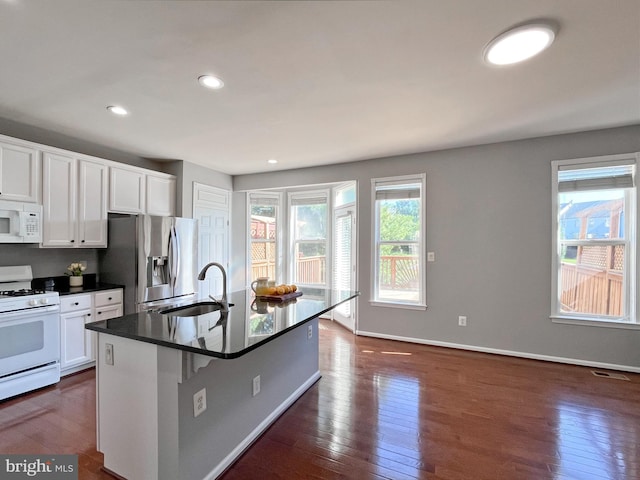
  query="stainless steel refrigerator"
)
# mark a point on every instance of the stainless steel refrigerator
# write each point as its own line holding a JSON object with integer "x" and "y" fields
{"x": 154, "y": 258}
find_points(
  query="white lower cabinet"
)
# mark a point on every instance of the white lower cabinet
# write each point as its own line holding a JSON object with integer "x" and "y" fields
{"x": 77, "y": 345}
{"x": 108, "y": 304}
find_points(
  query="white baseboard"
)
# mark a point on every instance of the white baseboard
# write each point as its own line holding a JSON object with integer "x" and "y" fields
{"x": 249, "y": 439}
{"x": 79, "y": 368}
{"x": 497, "y": 351}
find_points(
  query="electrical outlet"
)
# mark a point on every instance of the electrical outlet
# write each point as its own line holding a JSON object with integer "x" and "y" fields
{"x": 108, "y": 354}
{"x": 256, "y": 385}
{"x": 310, "y": 332}
{"x": 462, "y": 321}
{"x": 199, "y": 402}
{"x": 431, "y": 256}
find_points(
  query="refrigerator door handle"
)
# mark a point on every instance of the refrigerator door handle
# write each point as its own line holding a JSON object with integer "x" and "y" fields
{"x": 175, "y": 256}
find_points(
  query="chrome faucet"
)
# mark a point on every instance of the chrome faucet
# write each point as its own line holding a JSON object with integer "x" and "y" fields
{"x": 203, "y": 274}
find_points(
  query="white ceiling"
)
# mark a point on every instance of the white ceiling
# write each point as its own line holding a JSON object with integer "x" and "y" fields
{"x": 311, "y": 83}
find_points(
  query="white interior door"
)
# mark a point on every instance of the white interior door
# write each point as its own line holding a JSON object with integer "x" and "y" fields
{"x": 344, "y": 265}
{"x": 211, "y": 209}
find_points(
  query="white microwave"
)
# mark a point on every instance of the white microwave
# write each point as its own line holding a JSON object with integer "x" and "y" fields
{"x": 20, "y": 222}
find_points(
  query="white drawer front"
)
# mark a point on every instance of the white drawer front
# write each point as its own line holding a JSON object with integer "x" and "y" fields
{"x": 105, "y": 313}
{"x": 70, "y": 303}
{"x": 108, "y": 297}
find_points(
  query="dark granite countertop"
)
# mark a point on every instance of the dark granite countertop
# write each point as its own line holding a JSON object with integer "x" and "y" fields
{"x": 248, "y": 324}
{"x": 60, "y": 284}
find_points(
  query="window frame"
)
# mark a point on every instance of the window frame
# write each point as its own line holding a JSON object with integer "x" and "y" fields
{"x": 630, "y": 319}
{"x": 292, "y": 199}
{"x": 421, "y": 180}
{"x": 275, "y": 199}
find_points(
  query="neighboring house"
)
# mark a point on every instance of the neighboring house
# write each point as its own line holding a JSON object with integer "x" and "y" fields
{"x": 593, "y": 219}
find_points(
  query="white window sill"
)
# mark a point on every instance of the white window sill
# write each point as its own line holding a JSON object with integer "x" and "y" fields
{"x": 595, "y": 323}
{"x": 407, "y": 306}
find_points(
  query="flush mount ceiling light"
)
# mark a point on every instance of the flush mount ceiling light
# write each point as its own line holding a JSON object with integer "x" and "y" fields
{"x": 520, "y": 43}
{"x": 116, "y": 110}
{"x": 272, "y": 161}
{"x": 209, "y": 81}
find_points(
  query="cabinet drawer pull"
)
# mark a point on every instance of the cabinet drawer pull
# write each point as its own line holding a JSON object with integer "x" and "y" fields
{"x": 88, "y": 314}
{"x": 99, "y": 313}
{"x": 110, "y": 298}
{"x": 76, "y": 304}
{"x": 82, "y": 241}
{"x": 72, "y": 241}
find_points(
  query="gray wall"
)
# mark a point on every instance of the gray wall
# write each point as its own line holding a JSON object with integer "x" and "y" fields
{"x": 55, "y": 139}
{"x": 489, "y": 223}
{"x": 47, "y": 262}
{"x": 188, "y": 173}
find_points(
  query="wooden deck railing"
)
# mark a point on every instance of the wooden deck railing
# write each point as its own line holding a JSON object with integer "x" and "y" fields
{"x": 311, "y": 270}
{"x": 397, "y": 272}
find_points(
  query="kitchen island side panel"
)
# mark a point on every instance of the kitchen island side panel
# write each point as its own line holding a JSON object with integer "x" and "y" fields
{"x": 128, "y": 407}
{"x": 232, "y": 413}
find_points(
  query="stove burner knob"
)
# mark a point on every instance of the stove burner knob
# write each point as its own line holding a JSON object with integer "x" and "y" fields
{"x": 44, "y": 301}
{"x": 33, "y": 302}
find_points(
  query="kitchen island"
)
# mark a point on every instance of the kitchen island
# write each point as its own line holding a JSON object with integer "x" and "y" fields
{"x": 252, "y": 362}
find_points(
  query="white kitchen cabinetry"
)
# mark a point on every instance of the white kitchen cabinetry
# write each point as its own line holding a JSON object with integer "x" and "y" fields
{"x": 59, "y": 200}
{"x": 161, "y": 194}
{"x": 126, "y": 190}
{"x": 138, "y": 190}
{"x": 19, "y": 173}
{"x": 77, "y": 345}
{"x": 74, "y": 201}
{"x": 92, "y": 204}
{"x": 108, "y": 304}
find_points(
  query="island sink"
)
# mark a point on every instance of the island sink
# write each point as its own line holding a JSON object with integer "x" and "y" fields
{"x": 196, "y": 309}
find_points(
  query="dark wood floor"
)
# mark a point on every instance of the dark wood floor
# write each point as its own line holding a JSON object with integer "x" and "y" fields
{"x": 392, "y": 410}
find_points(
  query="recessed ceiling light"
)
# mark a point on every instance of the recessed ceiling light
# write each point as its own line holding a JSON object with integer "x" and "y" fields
{"x": 117, "y": 110}
{"x": 519, "y": 43}
{"x": 272, "y": 161}
{"x": 209, "y": 81}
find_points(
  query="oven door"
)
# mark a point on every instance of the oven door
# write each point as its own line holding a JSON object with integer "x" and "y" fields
{"x": 29, "y": 338}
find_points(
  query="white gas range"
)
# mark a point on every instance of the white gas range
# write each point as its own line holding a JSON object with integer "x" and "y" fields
{"x": 29, "y": 333}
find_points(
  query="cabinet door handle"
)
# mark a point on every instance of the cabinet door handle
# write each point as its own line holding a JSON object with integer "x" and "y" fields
{"x": 76, "y": 304}
{"x": 82, "y": 241}
{"x": 99, "y": 313}
{"x": 88, "y": 314}
{"x": 72, "y": 241}
{"x": 110, "y": 298}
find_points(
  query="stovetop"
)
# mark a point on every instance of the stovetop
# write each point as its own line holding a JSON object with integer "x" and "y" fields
{"x": 20, "y": 293}
{"x": 16, "y": 292}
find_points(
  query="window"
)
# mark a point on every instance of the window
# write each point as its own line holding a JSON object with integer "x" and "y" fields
{"x": 595, "y": 261}
{"x": 308, "y": 226}
{"x": 398, "y": 253}
{"x": 264, "y": 224}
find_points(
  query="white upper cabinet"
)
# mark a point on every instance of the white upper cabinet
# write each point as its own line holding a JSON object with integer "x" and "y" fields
{"x": 19, "y": 173}
{"x": 127, "y": 190}
{"x": 161, "y": 195}
{"x": 137, "y": 190}
{"x": 92, "y": 203}
{"x": 74, "y": 202}
{"x": 59, "y": 193}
